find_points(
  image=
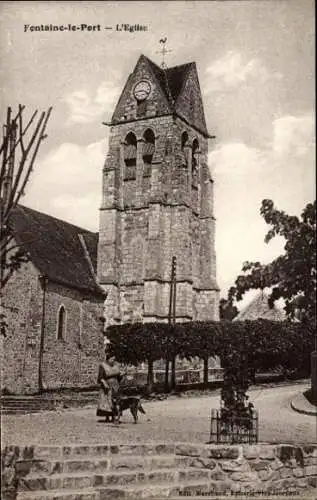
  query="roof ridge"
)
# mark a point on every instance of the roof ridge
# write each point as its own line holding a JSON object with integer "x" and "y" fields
{"x": 170, "y": 67}
{"x": 57, "y": 219}
{"x": 87, "y": 255}
{"x": 56, "y": 249}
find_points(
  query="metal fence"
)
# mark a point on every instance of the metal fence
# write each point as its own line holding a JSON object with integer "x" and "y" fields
{"x": 233, "y": 431}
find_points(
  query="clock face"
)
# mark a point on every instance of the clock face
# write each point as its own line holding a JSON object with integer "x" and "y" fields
{"x": 142, "y": 90}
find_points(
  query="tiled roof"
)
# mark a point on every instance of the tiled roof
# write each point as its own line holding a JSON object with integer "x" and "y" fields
{"x": 259, "y": 308}
{"x": 56, "y": 249}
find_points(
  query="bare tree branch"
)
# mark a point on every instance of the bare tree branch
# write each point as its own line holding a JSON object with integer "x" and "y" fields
{"x": 18, "y": 156}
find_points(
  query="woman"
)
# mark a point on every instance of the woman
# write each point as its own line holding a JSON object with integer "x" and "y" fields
{"x": 109, "y": 378}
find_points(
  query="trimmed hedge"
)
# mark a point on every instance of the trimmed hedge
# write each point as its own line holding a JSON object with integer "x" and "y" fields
{"x": 261, "y": 344}
{"x": 244, "y": 347}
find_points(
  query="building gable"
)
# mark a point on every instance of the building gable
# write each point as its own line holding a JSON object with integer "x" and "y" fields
{"x": 157, "y": 102}
{"x": 189, "y": 104}
{"x": 259, "y": 308}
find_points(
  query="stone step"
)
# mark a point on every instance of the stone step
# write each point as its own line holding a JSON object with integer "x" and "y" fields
{"x": 59, "y": 452}
{"x": 23, "y": 411}
{"x": 110, "y": 478}
{"x": 27, "y": 407}
{"x": 25, "y": 404}
{"x": 135, "y": 492}
{"x": 25, "y": 400}
{"x": 146, "y": 491}
{"x": 81, "y": 494}
{"x": 147, "y": 462}
{"x": 74, "y": 481}
{"x": 100, "y": 464}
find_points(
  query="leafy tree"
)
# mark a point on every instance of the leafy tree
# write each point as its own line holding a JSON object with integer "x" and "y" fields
{"x": 227, "y": 311}
{"x": 293, "y": 274}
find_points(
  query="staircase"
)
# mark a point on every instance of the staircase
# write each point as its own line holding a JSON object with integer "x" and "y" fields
{"x": 21, "y": 405}
{"x": 108, "y": 472}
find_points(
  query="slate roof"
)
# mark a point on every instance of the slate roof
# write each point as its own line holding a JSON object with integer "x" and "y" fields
{"x": 259, "y": 308}
{"x": 56, "y": 250}
{"x": 171, "y": 79}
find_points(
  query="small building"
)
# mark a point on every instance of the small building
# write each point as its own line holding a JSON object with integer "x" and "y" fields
{"x": 53, "y": 307}
{"x": 259, "y": 308}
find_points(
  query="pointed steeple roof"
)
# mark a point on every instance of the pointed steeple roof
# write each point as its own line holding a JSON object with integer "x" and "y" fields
{"x": 171, "y": 83}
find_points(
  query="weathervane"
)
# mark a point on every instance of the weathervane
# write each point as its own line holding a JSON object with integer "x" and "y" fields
{"x": 164, "y": 51}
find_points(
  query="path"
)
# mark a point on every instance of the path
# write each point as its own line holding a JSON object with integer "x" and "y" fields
{"x": 174, "y": 419}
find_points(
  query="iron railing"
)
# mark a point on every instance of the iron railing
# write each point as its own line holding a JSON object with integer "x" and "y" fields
{"x": 237, "y": 429}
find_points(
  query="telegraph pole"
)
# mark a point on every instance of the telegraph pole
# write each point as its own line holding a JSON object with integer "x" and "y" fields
{"x": 173, "y": 321}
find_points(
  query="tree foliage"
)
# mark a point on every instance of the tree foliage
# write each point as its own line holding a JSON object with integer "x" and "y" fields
{"x": 293, "y": 274}
{"x": 244, "y": 348}
{"x": 227, "y": 310}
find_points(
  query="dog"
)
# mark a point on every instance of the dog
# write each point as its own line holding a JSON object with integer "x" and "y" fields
{"x": 133, "y": 404}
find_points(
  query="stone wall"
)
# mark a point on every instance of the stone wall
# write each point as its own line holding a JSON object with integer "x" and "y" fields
{"x": 73, "y": 360}
{"x": 255, "y": 468}
{"x": 68, "y": 362}
{"x": 159, "y": 213}
{"x": 224, "y": 470}
{"x": 20, "y": 348}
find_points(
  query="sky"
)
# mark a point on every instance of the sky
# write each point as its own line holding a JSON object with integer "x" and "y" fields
{"x": 255, "y": 62}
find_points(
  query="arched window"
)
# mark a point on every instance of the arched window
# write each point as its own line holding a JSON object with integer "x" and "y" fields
{"x": 61, "y": 323}
{"x": 195, "y": 152}
{"x": 148, "y": 151}
{"x": 184, "y": 139}
{"x": 195, "y": 149}
{"x": 130, "y": 147}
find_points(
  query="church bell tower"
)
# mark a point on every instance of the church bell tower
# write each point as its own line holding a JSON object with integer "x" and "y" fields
{"x": 157, "y": 200}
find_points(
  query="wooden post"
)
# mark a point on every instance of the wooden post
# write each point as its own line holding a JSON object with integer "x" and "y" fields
{"x": 314, "y": 376}
{"x": 170, "y": 312}
{"x": 173, "y": 381}
{"x": 150, "y": 376}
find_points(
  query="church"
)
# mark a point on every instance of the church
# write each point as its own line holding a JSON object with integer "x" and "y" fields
{"x": 157, "y": 204}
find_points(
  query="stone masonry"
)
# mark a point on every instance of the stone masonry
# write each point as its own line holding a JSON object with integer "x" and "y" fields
{"x": 157, "y": 202}
{"x": 71, "y": 361}
{"x": 134, "y": 471}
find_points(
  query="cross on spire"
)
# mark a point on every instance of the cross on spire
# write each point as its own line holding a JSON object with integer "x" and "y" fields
{"x": 164, "y": 51}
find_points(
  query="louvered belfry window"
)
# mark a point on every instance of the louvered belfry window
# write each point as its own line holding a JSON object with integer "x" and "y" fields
{"x": 183, "y": 144}
{"x": 141, "y": 108}
{"x": 130, "y": 150}
{"x": 148, "y": 151}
